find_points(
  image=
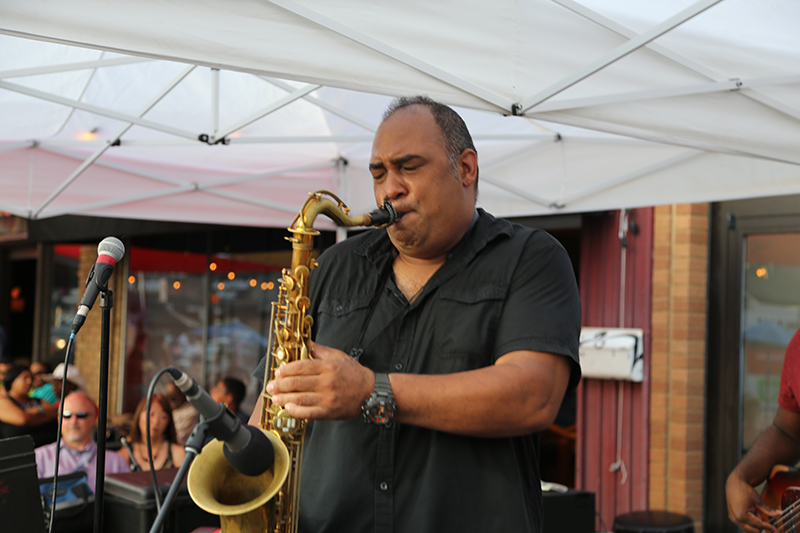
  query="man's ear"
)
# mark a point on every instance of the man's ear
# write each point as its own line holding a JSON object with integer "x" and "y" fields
{"x": 468, "y": 167}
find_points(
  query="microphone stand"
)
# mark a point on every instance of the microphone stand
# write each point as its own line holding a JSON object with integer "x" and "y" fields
{"x": 106, "y": 304}
{"x": 193, "y": 448}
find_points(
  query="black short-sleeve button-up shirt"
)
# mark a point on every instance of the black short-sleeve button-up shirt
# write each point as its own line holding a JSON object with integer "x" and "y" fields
{"x": 503, "y": 288}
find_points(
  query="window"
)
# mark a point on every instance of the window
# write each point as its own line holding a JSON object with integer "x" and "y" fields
{"x": 771, "y": 315}
{"x": 205, "y": 315}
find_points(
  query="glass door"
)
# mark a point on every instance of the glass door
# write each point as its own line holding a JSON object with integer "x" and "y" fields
{"x": 770, "y": 317}
{"x": 753, "y": 310}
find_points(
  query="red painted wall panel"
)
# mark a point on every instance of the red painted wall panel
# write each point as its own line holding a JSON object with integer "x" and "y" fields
{"x": 598, "y": 420}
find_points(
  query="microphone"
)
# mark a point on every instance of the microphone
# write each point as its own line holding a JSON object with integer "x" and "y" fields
{"x": 246, "y": 448}
{"x": 109, "y": 251}
{"x": 134, "y": 464}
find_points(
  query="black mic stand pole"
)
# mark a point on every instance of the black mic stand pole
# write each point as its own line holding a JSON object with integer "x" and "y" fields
{"x": 193, "y": 448}
{"x": 106, "y": 304}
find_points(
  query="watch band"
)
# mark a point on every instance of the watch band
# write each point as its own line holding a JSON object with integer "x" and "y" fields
{"x": 382, "y": 383}
{"x": 379, "y": 408}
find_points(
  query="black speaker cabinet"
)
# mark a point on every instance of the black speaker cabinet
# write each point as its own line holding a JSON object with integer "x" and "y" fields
{"x": 20, "y": 504}
{"x": 568, "y": 512}
{"x": 130, "y": 505}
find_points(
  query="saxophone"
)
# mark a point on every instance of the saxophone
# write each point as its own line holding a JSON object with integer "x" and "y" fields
{"x": 270, "y": 502}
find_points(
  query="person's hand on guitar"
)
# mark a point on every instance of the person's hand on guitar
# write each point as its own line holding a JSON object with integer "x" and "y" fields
{"x": 746, "y": 508}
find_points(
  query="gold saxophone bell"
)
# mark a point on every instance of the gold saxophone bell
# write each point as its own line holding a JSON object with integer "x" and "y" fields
{"x": 239, "y": 500}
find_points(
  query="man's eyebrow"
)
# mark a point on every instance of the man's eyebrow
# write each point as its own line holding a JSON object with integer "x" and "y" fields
{"x": 399, "y": 161}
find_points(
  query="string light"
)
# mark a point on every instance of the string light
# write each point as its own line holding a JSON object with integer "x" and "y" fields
{"x": 212, "y": 267}
{"x": 88, "y": 135}
{"x": 176, "y": 285}
{"x": 131, "y": 279}
{"x": 231, "y": 275}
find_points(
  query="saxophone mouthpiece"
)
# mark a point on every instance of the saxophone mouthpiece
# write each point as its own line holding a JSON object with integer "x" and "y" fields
{"x": 385, "y": 215}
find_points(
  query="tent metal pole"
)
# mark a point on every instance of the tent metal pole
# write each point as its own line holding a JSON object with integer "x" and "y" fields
{"x": 95, "y": 156}
{"x": 215, "y": 103}
{"x": 621, "y": 30}
{"x": 618, "y": 53}
{"x": 278, "y": 104}
{"x": 325, "y": 105}
{"x": 679, "y": 59}
{"x": 69, "y": 67}
{"x": 97, "y": 110}
{"x": 671, "y": 140}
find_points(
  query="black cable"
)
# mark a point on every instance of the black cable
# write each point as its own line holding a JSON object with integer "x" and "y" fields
{"x": 602, "y": 523}
{"x": 150, "y": 390}
{"x": 70, "y": 347}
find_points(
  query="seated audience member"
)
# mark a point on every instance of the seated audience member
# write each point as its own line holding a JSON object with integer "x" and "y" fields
{"x": 231, "y": 391}
{"x": 74, "y": 380}
{"x": 184, "y": 414}
{"x": 23, "y": 415}
{"x": 41, "y": 388}
{"x": 167, "y": 453}
{"x": 78, "y": 448}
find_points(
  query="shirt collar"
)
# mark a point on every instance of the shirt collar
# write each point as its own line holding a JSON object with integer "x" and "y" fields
{"x": 91, "y": 447}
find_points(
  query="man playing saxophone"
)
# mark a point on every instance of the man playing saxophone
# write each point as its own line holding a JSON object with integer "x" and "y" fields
{"x": 443, "y": 345}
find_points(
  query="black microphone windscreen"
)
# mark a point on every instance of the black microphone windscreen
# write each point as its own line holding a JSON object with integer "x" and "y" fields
{"x": 256, "y": 458}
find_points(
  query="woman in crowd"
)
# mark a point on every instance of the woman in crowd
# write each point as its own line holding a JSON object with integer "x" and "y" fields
{"x": 41, "y": 388}
{"x": 167, "y": 453}
{"x": 22, "y": 415}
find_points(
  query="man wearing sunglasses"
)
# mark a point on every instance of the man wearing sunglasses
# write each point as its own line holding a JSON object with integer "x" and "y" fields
{"x": 78, "y": 448}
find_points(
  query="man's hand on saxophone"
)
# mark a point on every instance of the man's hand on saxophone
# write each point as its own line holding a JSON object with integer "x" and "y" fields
{"x": 330, "y": 386}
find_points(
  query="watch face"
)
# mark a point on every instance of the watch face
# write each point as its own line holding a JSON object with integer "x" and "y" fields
{"x": 380, "y": 411}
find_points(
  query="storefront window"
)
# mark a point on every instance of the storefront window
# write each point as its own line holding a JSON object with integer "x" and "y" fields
{"x": 238, "y": 332}
{"x": 63, "y": 300}
{"x": 207, "y": 316}
{"x": 771, "y": 315}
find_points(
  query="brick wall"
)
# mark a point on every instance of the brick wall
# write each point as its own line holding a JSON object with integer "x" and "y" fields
{"x": 680, "y": 257}
{"x": 87, "y": 341}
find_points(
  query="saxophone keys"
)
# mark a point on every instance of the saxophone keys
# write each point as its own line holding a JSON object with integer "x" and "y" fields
{"x": 285, "y": 423}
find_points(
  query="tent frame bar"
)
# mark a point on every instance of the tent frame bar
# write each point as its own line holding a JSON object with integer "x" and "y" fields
{"x": 96, "y": 155}
{"x": 616, "y": 54}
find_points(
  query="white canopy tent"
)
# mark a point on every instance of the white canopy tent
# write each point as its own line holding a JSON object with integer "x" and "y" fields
{"x": 230, "y": 112}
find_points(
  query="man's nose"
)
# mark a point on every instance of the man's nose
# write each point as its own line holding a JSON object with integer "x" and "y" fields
{"x": 394, "y": 185}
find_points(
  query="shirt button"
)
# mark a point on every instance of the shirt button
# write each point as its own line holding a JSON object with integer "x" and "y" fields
{"x": 398, "y": 366}
{"x": 384, "y": 486}
{"x": 339, "y": 308}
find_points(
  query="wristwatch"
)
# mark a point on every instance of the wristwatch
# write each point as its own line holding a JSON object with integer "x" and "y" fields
{"x": 379, "y": 409}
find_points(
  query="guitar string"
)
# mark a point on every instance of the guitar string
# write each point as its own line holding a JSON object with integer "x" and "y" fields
{"x": 787, "y": 515}
{"x": 788, "y": 518}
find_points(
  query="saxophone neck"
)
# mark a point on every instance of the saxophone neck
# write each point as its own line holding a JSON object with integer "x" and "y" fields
{"x": 325, "y": 202}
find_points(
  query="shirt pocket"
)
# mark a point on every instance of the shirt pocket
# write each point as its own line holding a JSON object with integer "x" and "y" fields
{"x": 338, "y": 321}
{"x": 466, "y": 324}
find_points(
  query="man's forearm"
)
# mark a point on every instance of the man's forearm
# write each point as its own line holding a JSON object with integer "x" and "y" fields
{"x": 773, "y": 447}
{"x": 517, "y": 396}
